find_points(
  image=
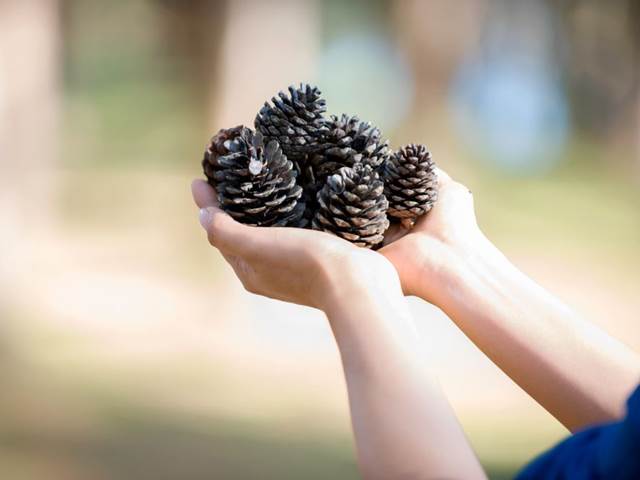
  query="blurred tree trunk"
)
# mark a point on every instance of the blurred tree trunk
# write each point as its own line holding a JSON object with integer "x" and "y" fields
{"x": 29, "y": 105}
{"x": 29, "y": 94}
{"x": 435, "y": 35}
{"x": 194, "y": 32}
{"x": 240, "y": 53}
{"x": 266, "y": 46}
{"x": 29, "y": 89}
{"x": 635, "y": 25}
{"x": 602, "y": 72}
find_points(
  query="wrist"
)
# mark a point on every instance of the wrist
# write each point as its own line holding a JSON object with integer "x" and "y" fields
{"x": 366, "y": 308}
{"x": 357, "y": 277}
{"x": 446, "y": 265}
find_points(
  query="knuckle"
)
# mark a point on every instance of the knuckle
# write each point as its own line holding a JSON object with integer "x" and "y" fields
{"x": 458, "y": 185}
{"x": 459, "y": 188}
{"x": 217, "y": 223}
{"x": 249, "y": 286}
{"x": 443, "y": 177}
{"x": 214, "y": 240}
{"x": 247, "y": 277}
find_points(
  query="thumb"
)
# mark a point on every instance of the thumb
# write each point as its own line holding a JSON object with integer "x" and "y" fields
{"x": 225, "y": 233}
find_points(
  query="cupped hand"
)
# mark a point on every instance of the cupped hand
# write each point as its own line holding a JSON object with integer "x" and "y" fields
{"x": 449, "y": 230}
{"x": 291, "y": 264}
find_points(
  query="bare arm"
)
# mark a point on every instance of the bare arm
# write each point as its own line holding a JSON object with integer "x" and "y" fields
{"x": 572, "y": 368}
{"x": 576, "y": 371}
{"x": 403, "y": 425}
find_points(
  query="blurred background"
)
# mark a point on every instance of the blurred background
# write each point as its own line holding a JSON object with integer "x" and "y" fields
{"x": 128, "y": 349}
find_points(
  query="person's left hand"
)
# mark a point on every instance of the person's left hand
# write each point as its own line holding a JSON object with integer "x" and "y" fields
{"x": 300, "y": 266}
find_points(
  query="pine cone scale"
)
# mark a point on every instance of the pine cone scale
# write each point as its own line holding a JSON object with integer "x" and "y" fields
{"x": 352, "y": 206}
{"x": 295, "y": 120}
{"x": 333, "y": 174}
{"x": 410, "y": 182}
{"x": 256, "y": 184}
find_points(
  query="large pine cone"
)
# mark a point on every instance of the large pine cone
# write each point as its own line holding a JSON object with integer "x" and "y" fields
{"x": 256, "y": 184}
{"x": 349, "y": 141}
{"x": 295, "y": 120}
{"x": 411, "y": 182}
{"x": 352, "y": 206}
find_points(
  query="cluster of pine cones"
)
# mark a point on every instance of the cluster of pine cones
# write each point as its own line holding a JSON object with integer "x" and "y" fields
{"x": 302, "y": 169}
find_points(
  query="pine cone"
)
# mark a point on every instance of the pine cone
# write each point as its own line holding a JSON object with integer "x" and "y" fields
{"x": 352, "y": 205}
{"x": 411, "y": 182}
{"x": 349, "y": 141}
{"x": 256, "y": 184}
{"x": 295, "y": 120}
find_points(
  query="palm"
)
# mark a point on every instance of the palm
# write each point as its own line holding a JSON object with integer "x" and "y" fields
{"x": 415, "y": 250}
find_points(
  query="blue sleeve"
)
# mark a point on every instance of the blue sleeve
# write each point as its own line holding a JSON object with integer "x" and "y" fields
{"x": 610, "y": 451}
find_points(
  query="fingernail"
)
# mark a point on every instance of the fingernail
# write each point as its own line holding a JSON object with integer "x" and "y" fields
{"x": 205, "y": 217}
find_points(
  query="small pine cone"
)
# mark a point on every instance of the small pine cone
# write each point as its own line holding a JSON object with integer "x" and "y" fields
{"x": 349, "y": 141}
{"x": 256, "y": 184}
{"x": 411, "y": 182}
{"x": 352, "y": 206}
{"x": 295, "y": 120}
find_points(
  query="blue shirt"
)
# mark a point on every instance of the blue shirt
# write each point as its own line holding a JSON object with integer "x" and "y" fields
{"x": 610, "y": 451}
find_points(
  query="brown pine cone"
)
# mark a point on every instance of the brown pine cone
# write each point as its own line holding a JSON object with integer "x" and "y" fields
{"x": 256, "y": 184}
{"x": 410, "y": 182}
{"x": 352, "y": 206}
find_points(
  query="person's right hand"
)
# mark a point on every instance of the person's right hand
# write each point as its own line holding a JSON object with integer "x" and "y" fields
{"x": 306, "y": 267}
{"x": 437, "y": 242}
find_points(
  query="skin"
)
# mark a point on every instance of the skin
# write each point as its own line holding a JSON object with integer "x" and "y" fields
{"x": 402, "y": 423}
{"x": 577, "y": 372}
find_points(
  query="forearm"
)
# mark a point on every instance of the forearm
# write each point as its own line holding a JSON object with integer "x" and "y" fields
{"x": 573, "y": 369}
{"x": 403, "y": 425}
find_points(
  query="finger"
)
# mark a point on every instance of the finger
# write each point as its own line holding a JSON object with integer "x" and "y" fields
{"x": 394, "y": 232}
{"x": 459, "y": 189}
{"x": 204, "y": 194}
{"x": 228, "y": 235}
{"x": 443, "y": 177}
{"x": 445, "y": 182}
